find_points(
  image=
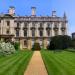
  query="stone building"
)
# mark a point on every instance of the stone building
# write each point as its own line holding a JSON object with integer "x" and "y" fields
{"x": 30, "y": 29}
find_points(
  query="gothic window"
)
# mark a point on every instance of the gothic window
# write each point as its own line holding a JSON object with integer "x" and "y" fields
{"x": 25, "y": 32}
{"x": 18, "y": 24}
{"x": 17, "y": 32}
{"x": 33, "y": 32}
{"x": 8, "y": 23}
{"x": 48, "y": 32}
{"x": 41, "y": 33}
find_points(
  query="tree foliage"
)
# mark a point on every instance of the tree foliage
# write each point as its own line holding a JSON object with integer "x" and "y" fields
{"x": 60, "y": 42}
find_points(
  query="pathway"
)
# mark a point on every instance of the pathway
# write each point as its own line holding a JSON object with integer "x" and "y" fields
{"x": 36, "y": 65}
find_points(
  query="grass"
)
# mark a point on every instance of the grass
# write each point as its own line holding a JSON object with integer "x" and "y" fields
{"x": 15, "y": 64}
{"x": 59, "y": 63}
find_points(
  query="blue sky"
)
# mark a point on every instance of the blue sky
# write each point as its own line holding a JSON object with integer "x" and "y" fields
{"x": 44, "y": 7}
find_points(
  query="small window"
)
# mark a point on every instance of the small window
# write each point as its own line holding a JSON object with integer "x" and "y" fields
{"x": 33, "y": 32}
{"x": 18, "y": 24}
{"x": 17, "y": 32}
{"x": 41, "y": 33}
{"x": 25, "y": 32}
{"x": 8, "y": 23}
{"x": 48, "y": 32}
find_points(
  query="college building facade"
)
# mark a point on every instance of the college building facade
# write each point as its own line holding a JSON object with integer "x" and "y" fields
{"x": 30, "y": 29}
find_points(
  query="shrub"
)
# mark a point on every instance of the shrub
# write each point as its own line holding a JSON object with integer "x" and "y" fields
{"x": 17, "y": 45}
{"x": 6, "y": 48}
{"x": 36, "y": 46}
{"x": 60, "y": 42}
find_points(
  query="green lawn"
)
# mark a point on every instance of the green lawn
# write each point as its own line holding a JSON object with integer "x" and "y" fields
{"x": 15, "y": 64}
{"x": 59, "y": 63}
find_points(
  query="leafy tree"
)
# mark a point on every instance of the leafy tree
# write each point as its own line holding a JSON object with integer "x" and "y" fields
{"x": 73, "y": 43}
{"x": 16, "y": 45}
{"x": 60, "y": 42}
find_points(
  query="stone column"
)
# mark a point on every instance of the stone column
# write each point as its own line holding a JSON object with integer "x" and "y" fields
{"x": 21, "y": 29}
{"x": 12, "y": 27}
{"x": 59, "y": 31}
{"x": 29, "y": 44}
{"x": 52, "y": 30}
{"x": 3, "y": 22}
{"x": 45, "y": 43}
{"x": 21, "y": 43}
{"x": 44, "y": 31}
{"x": 29, "y": 29}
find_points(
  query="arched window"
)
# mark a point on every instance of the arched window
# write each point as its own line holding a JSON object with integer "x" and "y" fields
{"x": 17, "y": 32}
{"x": 8, "y": 23}
{"x": 41, "y": 32}
{"x": 25, "y": 32}
{"x": 48, "y": 32}
{"x": 33, "y": 32}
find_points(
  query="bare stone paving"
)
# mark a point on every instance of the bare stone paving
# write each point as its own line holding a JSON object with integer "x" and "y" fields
{"x": 36, "y": 65}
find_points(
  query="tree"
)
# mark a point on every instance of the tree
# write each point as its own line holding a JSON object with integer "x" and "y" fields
{"x": 16, "y": 45}
{"x": 60, "y": 42}
{"x": 73, "y": 43}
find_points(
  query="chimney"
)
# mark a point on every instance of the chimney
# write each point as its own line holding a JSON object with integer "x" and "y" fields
{"x": 33, "y": 11}
{"x": 11, "y": 10}
{"x": 53, "y": 13}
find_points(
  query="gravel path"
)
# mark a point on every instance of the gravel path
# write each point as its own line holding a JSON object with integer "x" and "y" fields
{"x": 36, "y": 65}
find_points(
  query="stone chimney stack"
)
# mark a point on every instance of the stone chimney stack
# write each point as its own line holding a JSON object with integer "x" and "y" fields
{"x": 53, "y": 13}
{"x": 33, "y": 11}
{"x": 11, "y": 10}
